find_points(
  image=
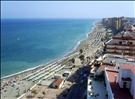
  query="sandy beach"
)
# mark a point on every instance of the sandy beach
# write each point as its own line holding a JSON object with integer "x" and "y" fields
{"x": 20, "y": 83}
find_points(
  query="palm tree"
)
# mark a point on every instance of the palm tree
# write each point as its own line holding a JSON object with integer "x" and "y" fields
{"x": 81, "y": 57}
{"x": 57, "y": 96}
{"x": 73, "y": 60}
{"x": 72, "y": 81}
{"x": 34, "y": 92}
{"x": 81, "y": 50}
{"x": 43, "y": 93}
{"x": 88, "y": 58}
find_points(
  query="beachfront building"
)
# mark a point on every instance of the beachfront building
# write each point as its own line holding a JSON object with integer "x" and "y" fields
{"x": 58, "y": 83}
{"x": 127, "y": 77}
{"x": 123, "y": 44}
{"x": 120, "y": 84}
{"x": 112, "y": 62}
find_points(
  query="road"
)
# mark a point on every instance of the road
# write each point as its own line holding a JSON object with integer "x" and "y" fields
{"x": 78, "y": 89}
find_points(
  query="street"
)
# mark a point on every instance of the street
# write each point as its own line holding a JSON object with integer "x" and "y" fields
{"x": 80, "y": 88}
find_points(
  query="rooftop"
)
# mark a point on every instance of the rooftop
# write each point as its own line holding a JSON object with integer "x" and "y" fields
{"x": 58, "y": 81}
{"x": 102, "y": 67}
{"x": 119, "y": 93}
{"x": 122, "y": 36}
{"x": 126, "y": 34}
{"x": 128, "y": 66}
{"x": 118, "y": 60}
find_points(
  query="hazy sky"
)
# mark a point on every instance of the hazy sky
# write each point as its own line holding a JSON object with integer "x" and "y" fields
{"x": 66, "y": 9}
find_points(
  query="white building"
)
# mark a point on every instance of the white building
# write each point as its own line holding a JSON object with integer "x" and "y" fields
{"x": 120, "y": 84}
{"x": 58, "y": 83}
{"x": 126, "y": 78}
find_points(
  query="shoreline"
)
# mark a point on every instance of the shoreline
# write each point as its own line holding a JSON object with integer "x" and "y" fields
{"x": 65, "y": 56}
{"x": 28, "y": 79}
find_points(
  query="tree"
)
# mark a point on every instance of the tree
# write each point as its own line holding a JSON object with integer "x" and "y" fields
{"x": 106, "y": 29}
{"x": 34, "y": 92}
{"x": 43, "y": 93}
{"x": 57, "y": 96}
{"x": 72, "y": 60}
{"x": 90, "y": 83}
{"x": 81, "y": 57}
{"x": 88, "y": 58}
{"x": 102, "y": 39}
{"x": 73, "y": 66}
{"x": 81, "y": 50}
{"x": 72, "y": 81}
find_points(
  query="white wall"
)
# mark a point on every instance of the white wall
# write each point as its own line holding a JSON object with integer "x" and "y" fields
{"x": 61, "y": 84}
{"x": 108, "y": 87}
{"x": 119, "y": 77}
{"x": 126, "y": 74}
{"x": 132, "y": 89}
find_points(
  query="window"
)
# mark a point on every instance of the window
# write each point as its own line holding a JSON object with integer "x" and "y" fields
{"x": 120, "y": 42}
{"x": 131, "y": 43}
{"x": 124, "y": 84}
{"x": 56, "y": 86}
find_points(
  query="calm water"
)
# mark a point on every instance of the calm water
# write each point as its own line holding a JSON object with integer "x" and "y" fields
{"x": 26, "y": 43}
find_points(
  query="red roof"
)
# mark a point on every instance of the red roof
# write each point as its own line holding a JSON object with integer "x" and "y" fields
{"x": 128, "y": 66}
{"x": 119, "y": 93}
{"x": 102, "y": 67}
{"x": 58, "y": 81}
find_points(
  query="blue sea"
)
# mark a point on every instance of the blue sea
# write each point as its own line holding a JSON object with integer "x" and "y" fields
{"x": 26, "y": 43}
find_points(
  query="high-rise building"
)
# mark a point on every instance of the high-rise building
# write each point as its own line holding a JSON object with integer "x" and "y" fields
{"x": 115, "y": 23}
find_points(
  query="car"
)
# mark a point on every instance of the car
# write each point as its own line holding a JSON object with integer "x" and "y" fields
{"x": 81, "y": 81}
{"x": 85, "y": 71}
{"x": 80, "y": 72}
{"x": 84, "y": 75}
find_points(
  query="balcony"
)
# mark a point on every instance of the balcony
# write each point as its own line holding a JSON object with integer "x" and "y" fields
{"x": 119, "y": 53}
{"x": 123, "y": 38}
{"x": 116, "y": 44}
{"x": 122, "y": 49}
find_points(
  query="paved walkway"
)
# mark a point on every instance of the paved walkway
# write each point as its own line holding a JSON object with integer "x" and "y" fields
{"x": 98, "y": 88}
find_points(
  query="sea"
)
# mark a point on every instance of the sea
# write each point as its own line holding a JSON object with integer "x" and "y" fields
{"x": 27, "y": 43}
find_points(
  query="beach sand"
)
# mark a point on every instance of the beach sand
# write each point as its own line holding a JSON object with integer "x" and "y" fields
{"x": 90, "y": 45}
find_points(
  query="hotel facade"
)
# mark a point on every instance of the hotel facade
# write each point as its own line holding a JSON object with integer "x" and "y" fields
{"x": 123, "y": 44}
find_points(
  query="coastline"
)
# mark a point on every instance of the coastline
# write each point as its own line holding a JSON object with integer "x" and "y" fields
{"x": 75, "y": 49}
{"x": 28, "y": 79}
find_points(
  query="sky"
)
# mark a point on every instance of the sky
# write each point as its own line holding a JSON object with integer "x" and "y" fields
{"x": 67, "y": 9}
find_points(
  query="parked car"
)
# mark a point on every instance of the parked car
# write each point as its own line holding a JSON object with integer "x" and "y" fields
{"x": 80, "y": 72}
{"x": 81, "y": 81}
{"x": 84, "y": 75}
